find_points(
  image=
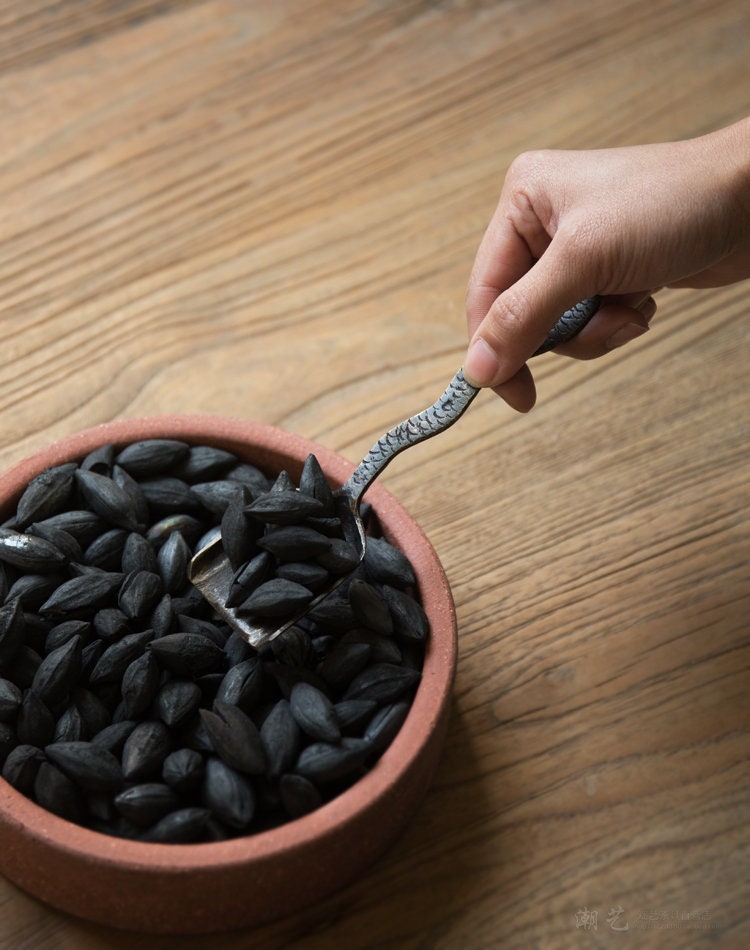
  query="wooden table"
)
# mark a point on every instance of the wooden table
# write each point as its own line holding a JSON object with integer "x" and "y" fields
{"x": 270, "y": 210}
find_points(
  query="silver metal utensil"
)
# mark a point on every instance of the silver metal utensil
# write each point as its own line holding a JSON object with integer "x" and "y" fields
{"x": 210, "y": 570}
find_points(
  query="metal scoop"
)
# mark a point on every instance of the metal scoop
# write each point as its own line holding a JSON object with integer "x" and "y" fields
{"x": 210, "y": 570}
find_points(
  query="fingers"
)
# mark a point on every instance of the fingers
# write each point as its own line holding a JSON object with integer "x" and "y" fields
{"x": 519, "y": 320}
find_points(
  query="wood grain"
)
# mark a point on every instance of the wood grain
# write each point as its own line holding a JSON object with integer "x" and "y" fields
{"x": 271, "y": 210}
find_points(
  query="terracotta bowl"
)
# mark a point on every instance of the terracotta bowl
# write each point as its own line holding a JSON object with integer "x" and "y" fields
{"x": 246, "y": 881}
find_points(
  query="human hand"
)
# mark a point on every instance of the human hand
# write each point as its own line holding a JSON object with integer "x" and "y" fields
{"x": 621, "y": 223}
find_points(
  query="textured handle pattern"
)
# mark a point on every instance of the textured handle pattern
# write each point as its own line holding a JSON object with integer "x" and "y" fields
{"x": 450, "y": 407}
{"x": 570, "y": 323}
{"x": 437, "y": 418}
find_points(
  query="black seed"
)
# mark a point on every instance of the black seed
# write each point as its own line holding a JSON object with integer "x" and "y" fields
{"x": 188, "y": 654}
{"x": 162, "y": 617}
{"x": 294, "y": 647}
{"x": 237, "y": 649}
{"x": 112, "y": 737}
{"x": 12, "y": 627}
{"x": 189, "y": 527}
{"x": 173, "y": 559}
{"x": 409, "y": 619}
{"x": 370, "y": 607}
{"x": 277, "y": 598}
{"x": 249, "y": 577}
{"x": 46, "y": 494}
{"x": 83, "y": 525}
{"x": 228, "y": 794}
{"x": 384, "y": 649}
{"x": 181, "y": 826}
{"x": 22, "y": 668}
{"x": 150, "y": 456}
{"x": 58, "y": 672}
{"x": 82, "y": 593}
{"x": 383, "y": 682}
{"x": 168, "y": 495}
{"x": 90, "y": 656}
{"x": 100, "y": 460}
{"x": 89, "y": 765}
{"x": 145, "y": 804}
{"x": 323, "y": 763}
{"x": 110, "y": 623}
{"x": 106, "y": 550}
{"x": 21, "y": 767}
{"x": 353, "y": 714}
{"x": 251, "y": 476}
{"x": 238, "y": 533}
{"x": 8, "y": 741}
{"x": 177, "y": 700}
{"x": 281, "y": 738}
{"x": 282, "y": 482}
{"x": 215, "y": 632}
{"x": 140, "y": 684}
{"x": 10, "y": 700}
{"x": 287, "y": 677}
{"x": 334, "y": 613}
{"x": 285, "y": 507}
{"x": 138, "y": 555}
{"x": 62, "y": 540}
{"x": 193, "y": 735}
{"x": 33, "y": 589}
{"x": 313, "y": 482}
{"x": 29, "y": 552}
{"x": 242, "y": 685}
{"x": 298, "y": 795}
{"x": 145, "y": 750}
{"x": 57, "y": 793}
{"x": 385, "y": 724}
{"x": 343, "y": 663}
{"x": 204, "y": 462}
{"x": 132, "y": 488}
{"x": 294, "y": 543}
{"x": 111, "y": 502}
{"x": 217, "y": 496}
{"x": 310, "y": 575}
{"x": 139, "y": 594}
{"x": 117, "y": 657}
{"x": 183, "y": 769}
{"x": 35, "y": 724}
{"x": 235, "y": 738}
{"x": 330, "y": 527}
{"x": 64, "y": 631}
{"x": 314, "y": 713}
{"x": 385, "y": 564}
{"x": 69, "y": 727}
{"x": 340, "y": 558}
{"x": 94, "y": 713}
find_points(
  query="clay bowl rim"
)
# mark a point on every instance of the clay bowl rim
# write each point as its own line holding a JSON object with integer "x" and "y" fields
{"x": 393, "y": 765}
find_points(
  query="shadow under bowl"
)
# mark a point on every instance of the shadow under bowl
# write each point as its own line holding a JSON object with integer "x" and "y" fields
{"x": 243, "y": 882}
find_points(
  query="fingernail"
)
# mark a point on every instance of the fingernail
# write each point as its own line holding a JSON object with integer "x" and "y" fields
{"x": 624, "y": 335}
{"x": 481, "y": 363}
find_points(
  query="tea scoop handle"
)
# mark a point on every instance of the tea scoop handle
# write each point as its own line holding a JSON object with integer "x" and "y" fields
{"x": 450, "y": 407}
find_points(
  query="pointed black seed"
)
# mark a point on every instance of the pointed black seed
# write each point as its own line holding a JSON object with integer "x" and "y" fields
{"x": 235, "y": 738}
{"x": 47, "y": 494}
{"x": 89, "y": 765}
{"x": 228, "y": 794}
{"x": 145, "y": 750}
{"x": 298, "y": 795}
{"x": 314, "y": 713}
{"x": 150, "y": 456}
{"x": 145, "y": 804}
{"x": 108, "y": 500}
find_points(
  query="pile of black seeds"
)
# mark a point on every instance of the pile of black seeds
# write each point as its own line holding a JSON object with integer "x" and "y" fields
{"x": 128, "y": 706}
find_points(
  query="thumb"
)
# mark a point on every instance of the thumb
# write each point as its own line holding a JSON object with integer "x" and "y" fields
{"x": 518, "y": 321}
